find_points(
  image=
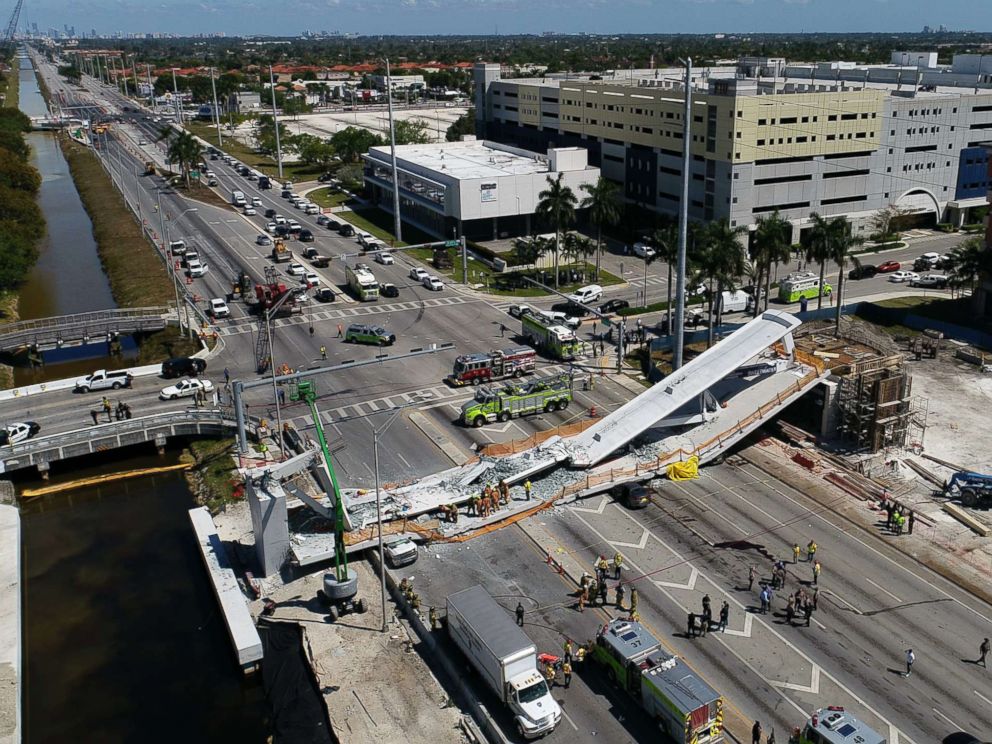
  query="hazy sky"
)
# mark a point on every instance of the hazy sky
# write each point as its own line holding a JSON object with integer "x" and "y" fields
{"x": 369, "y": 17}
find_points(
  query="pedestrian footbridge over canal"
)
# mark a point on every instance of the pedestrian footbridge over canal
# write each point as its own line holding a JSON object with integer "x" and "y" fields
{"x": 45, "y": 334}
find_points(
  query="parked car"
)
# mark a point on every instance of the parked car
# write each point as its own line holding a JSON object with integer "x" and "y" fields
{"x": 587, "y": 294}
{"x": 346, "y": 230}
{"x": 612, "y": 306}
{"x": 932, "y": 281}
{"x": 632, "y": 495}
{"x": 360, "y": 333}
{"x": 324, "y": 177}
{"x": 182, "y": 367}
{"x": 388, "y": 290}
{"x": 264, "y": 239}
{"x": 864, "y": 271}
{"x": 19, "y": 432}
{"x": 560, "y": 318}
{"x": 385, "y": 258}
{"x": 432, "y": 283}
{"x": 884, "y": 268}
{"x": 185, "y": 388}
{"x": 196, "y": 269}
{"x": 570, "y": 308}
{"x": 311, "y": 208}
{"x": 518, "y": 311}
{"x": 219, "y": 309}
{"x": 903, "y": 276}
{"x": 418, "y": 274}
{"x": 323, "y": 219}
{"x": 324, "y": 294}
{"x": 931, "y": 258}
{"x": 310, "y": 279}
{"x": 104, "y": 379}
{"x": 296, "y": 269}
{"x": 400, "y": 551}
{"x": 177, "y": 247}
{"x": 333, "y": 225}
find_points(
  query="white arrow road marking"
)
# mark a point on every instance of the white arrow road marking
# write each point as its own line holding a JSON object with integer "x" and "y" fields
{"x": 638, "y": 545}
{"x": 746, "y": 632}
{"x": 690, "y": 584}
{"x": 813, "y": 688}
{"x": 598, "y": 510}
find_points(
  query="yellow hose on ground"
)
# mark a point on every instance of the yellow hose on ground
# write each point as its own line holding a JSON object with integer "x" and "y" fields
{"x": 97, "y": 479}
{"x": 680, "y": 471}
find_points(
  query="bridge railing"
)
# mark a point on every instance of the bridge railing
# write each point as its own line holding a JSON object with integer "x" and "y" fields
{"x": 220, "y": 416}
{"x": 83, "y": 319}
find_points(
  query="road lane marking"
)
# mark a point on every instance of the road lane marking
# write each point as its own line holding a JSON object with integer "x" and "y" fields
{"x": 569, "y": 719}
{"x": 843, "y": 601}
{"x": 813, "y": 688}
{"x": 682, "y": 561}
{"x": 947, "y": 719}
{"x": 639, "y": 545}
{"x": 982, "y": 697}
{"x": 400, "y": 455}
{"x": 883, "y": 589}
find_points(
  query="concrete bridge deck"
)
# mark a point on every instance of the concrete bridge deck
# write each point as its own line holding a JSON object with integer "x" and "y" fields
{"x": 157, "y": 428}
{"x": 44, "y": 334}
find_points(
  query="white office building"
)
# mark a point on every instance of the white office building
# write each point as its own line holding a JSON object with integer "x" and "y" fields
{"x": 480, "y": 189}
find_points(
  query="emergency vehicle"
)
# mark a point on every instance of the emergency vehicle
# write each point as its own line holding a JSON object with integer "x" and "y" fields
{"x": 510, "y": 401}
{"x": 553, "y": 339}
{"x": 834, "y": 725}
{"x": 475, "y": 369}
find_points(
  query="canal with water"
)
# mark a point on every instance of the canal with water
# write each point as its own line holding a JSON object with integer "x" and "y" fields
{"x": 123, "y": 640}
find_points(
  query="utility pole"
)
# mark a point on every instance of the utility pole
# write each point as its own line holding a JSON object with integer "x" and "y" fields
{"x": 134, "y": 72}
{"x": 397, "y": 223}
{"x": 175, "y": 90}
{"x": 677, "y": 342}
{"x": 275, "y": 121}
{"x": 151, "y": 89}
{"x": 464, "y": 261}
{"x": 213, "y": 87}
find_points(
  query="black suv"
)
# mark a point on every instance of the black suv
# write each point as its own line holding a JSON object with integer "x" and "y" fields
{"x": 306, "y": 236}
{"x": 864, "y": 271}
{"x": 182, "y": 367}
{"x": 270, "y": 213}
{"x": 346, "y": 231}
{"x": 611, "y": 306}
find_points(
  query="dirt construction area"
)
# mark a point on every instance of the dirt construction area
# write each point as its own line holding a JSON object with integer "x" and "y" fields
{"x": 959, "y": 399}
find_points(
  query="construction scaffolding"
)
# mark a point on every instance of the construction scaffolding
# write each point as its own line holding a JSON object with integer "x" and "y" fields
{"x": 875, "y": 400}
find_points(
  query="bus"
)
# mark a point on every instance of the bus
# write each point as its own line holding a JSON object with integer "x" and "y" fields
{"x": 362, "y": 282}
{"x": 805, "y": 284}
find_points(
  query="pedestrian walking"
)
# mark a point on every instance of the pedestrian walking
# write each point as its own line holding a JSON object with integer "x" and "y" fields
{"x": 617, "y": 566}
{"x": 816, "y": 596}
{"x": 340, "y": 331}
{"x": 107, "y": 407}
{"x": 756, "y": 728}
{"x": 890, "y": 510}
{"x": 527, "y": 488}
{"x": 549, "y": 674}
{"x": 910, "y": 659}
{"x": 520, "y": 614}
{"x": 690, "y": 625}
{"x": 94, "y": 413}
{"x": 602, "y": 592}
{"x": 807, "y": 612}
{"x": 724, "y": 617}
{"x": 706, "y": 603}
{"x": 583, "y": 597}
{"x": 227, "y": 376}
{"x": 912, "y": 519}
{"x": 752, "y": 574}
{"x": 323, "y": 352}
{"x": 566, "y": 670}
{"x": 816, "y": 573}
{"x": 502, "y": 330}
{"x": 567, "y": 649}
{"x": 282, "y": 397}
{"x": 983, "y": 651}
{"x": 796, "y": 550}
{"x": 810, "y": 551}
{"x": 704, "y": 622}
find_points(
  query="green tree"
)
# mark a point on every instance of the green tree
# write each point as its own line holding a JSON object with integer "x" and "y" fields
{"x": 266, "y": 134}
{"x": 353, "y": 142}
{"x": 70, "y": 73}
{"x": 17, "y": 255}
{"x": 771, "y": 245}
{"x": 296, "y": 105}
{"x": 842, "y": 240}
{"x": 529, "y": 250}
{"x": 183, "y": 149}
{"x": 557, "y": 207}
{"x": 19, "y": 211}
{"x": 970, "y": 260}
{"x": 412, "y": 132}
{"x": 352, "y": 177}
{"x": 464, "y": 124}
{"x": 17, "y": 173}
{"x": 313, "y": 150}
{"x": 818, "y": 249}
{"x": 602, "y": 203}
{"x": 721, "y": 263}
{"x": 665, "y": 241}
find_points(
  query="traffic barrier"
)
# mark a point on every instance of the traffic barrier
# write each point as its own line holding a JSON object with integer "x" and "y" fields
{"x": 592, "y": 411}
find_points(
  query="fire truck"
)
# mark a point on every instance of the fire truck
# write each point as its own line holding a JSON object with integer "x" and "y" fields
{"x": 555, "y": 340}
{"x": 475, "y": 369}
{"x": 513, "y": 400}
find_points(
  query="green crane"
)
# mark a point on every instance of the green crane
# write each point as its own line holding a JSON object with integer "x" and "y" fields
{"x": 340, "y": 590}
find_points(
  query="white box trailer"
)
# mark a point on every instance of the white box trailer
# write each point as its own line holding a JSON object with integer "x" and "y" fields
{"x": 504, "y": 657}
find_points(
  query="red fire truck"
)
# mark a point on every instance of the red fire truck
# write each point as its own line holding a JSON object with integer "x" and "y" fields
{"x": 475, "y": 369}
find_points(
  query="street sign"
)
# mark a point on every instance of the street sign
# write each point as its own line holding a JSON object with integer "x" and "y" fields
{"x": 452, "y": 243}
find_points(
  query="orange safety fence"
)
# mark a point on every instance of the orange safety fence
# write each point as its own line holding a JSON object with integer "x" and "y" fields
{"x": 486, "y": 529}
{"x": 427, "y": 530}
{"x": 519, "y": 445}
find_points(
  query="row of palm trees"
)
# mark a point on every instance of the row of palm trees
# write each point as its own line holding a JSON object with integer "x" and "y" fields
{"x": 184, "y": 150}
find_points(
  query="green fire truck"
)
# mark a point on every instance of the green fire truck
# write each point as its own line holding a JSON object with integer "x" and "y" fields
{"x": 685, "y": 707}
{"x": 502, "y": 404}
{"x": 554, "y": 340}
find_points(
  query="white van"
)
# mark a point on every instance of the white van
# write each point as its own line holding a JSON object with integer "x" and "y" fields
{"x": 735, "y": 302}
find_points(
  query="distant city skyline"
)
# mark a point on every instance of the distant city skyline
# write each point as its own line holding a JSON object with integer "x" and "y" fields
{"x": 486, "y": 17}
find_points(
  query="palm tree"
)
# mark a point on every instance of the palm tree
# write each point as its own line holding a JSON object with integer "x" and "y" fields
{"x": 722, "y": 260}
{"x": 184, "y": 150}
{"x": 665, "y": 242}
{"x": 819, "y": 249}
{"x": 771, "y": 245}
{"x": 601, "y": 201}
{"x": 841, "y": 243}
{"x": 557, "y": 206}
{"x": 969, "y": 260}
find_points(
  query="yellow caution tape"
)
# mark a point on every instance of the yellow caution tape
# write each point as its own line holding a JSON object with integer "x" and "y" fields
{"x": 680, "y": 471}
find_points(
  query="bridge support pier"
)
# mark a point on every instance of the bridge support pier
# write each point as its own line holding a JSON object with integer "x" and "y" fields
{"x": 43, "y": 470}
{"x": 160, "y": 443}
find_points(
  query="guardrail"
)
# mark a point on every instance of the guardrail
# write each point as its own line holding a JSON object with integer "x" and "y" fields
{"x": 82, "y": 325}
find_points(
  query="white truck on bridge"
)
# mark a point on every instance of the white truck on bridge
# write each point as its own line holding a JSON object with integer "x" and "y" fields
{"x": 104, "y": 379}
{"x": 504, "y": 657}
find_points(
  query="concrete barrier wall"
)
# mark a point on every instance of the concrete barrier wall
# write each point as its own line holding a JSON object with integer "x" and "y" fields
{"x": 69, "y": 383}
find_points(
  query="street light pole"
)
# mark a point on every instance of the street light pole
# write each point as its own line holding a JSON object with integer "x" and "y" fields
{"x": 275, "y": 387}
{"x": 376, "y": 433}
{"x": 397, "y": 223}
{"x": 275, "y": 121}
{"x": 213, "y": 87}
{"x": 683, "y": 220}
{"x": 175, "y": 89}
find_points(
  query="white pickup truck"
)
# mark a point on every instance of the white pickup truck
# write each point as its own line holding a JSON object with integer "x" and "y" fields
{"x": 104, "y": 379}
